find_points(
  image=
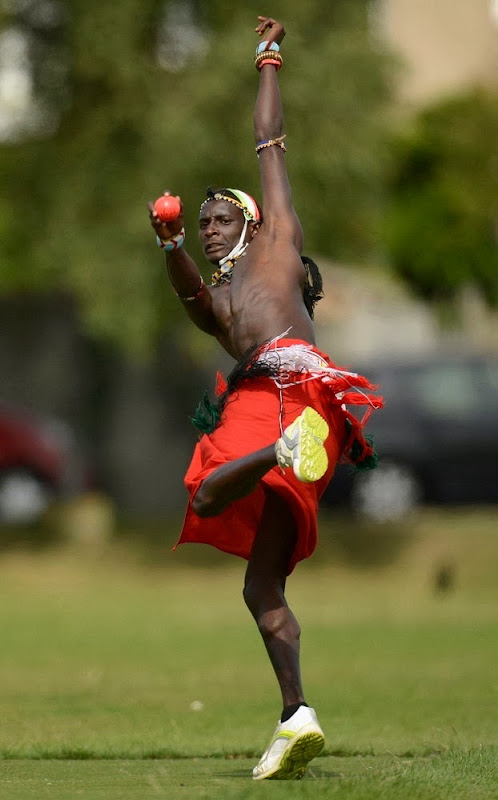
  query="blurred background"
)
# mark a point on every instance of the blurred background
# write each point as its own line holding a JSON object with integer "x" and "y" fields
{"x": 392, "y": 123}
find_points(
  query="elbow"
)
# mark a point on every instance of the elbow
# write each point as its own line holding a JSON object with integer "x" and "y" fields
{"x": 264, "y": 132}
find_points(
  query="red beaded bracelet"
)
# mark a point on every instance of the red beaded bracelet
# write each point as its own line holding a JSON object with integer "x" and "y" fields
{"x": 273, "y": 61}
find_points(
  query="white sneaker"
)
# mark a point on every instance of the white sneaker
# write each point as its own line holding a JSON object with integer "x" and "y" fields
{"x": 301, "y": 446}
{"x": 294, "y": 743}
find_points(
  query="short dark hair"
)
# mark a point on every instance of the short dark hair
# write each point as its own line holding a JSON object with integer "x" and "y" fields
{"x": 313, "y": 288}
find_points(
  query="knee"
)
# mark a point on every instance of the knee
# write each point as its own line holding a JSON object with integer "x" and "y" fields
{"x": 268, "y": 607}
{"x": 252, "y": 595}
{"x": 203, "y": 504}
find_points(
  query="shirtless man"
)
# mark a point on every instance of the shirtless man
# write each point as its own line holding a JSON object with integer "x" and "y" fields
{"x": 256, "y": 476}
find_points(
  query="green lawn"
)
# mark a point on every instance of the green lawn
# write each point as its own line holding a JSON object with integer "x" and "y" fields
{"x": 105, "y": 659}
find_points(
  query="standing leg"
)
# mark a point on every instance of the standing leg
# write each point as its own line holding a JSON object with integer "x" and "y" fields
{"x": 264, "y": 595}
{"x": 298, "y": 737}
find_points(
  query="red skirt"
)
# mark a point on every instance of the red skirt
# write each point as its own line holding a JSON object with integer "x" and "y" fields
{"x": 251, "y": 420}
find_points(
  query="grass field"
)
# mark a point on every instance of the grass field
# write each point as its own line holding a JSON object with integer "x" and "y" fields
{"x": 105, "y": 659}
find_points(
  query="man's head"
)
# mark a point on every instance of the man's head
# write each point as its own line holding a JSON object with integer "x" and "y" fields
{"x": 228, "y": 220}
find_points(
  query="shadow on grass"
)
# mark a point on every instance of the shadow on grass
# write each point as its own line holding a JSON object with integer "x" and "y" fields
{"x": 313, "y": 773}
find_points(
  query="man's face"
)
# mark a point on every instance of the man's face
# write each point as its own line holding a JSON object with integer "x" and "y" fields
{"x": 220, "y": 226}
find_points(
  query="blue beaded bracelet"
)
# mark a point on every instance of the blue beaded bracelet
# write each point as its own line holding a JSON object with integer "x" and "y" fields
{"x": 173, "y": 243}
{"x": 264, "y": 45}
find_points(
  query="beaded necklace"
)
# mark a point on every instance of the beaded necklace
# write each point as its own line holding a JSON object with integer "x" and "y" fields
{"x": 224, "y": 273}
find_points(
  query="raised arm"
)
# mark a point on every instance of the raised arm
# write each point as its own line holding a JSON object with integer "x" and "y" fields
{"x": 183, "y": 272}
{"x": 269, "y": 137}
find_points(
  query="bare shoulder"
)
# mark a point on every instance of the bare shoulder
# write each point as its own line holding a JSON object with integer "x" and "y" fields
{"x": 276, "y": 251}
{"x": 282, "y": 227}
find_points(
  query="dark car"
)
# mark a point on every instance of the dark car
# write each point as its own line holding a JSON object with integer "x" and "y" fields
{"x": 37, "y": 464}
{"x": 437, "y": 437}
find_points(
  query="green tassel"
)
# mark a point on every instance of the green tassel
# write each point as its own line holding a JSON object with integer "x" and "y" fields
{"x": 207, "y": 415}
{"x": 370, "y": 462}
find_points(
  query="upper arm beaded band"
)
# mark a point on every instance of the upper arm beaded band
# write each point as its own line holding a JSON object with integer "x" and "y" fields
{"x": 194, "y": 296}
{"x": 279, "y": 142}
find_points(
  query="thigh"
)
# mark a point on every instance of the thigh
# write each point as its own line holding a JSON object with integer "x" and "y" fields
{"x": 274, "y": 543}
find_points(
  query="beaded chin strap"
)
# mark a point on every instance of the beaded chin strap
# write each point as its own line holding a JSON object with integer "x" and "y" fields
{"x": 225, "y": 266}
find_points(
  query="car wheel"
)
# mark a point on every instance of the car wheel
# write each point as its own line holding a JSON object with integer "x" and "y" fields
{"x": 388, "y": 492}
{"x": 23, "y": 497}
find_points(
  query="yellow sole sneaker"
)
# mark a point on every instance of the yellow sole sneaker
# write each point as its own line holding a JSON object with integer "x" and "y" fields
{"x": 301, "y": 446}
{"x": 297, "y": 757}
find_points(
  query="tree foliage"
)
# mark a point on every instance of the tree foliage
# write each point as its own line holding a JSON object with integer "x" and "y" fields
{"x": 442, "y": 225}
{"x": 73, "y": 204}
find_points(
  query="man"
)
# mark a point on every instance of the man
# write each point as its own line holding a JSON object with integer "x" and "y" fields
{"x": 270, "y": 447}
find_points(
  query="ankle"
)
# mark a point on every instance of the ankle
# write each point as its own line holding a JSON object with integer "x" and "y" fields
{"x": 290, "y": 710}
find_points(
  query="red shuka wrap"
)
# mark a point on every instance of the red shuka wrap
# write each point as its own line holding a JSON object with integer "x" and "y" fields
{"x": 254, "y": 417}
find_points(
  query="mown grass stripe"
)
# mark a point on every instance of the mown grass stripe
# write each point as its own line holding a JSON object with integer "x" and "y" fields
{"x": 83, "y": 754}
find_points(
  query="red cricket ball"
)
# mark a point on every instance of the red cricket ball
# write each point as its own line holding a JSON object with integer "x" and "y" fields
{"x": 167, "y": 207}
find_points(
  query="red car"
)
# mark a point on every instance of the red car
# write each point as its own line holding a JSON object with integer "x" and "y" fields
{"x": 37, "y": 464}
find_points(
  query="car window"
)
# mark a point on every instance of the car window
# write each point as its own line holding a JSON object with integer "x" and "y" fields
{"x": 449, "y": 390}
{"x": 491, "y": 369}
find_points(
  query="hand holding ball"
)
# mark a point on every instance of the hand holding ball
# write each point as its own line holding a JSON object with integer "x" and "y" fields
{"x": 167, "y": 207}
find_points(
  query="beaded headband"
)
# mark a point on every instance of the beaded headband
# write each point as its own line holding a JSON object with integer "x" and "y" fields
{"x": 242, "y": 200}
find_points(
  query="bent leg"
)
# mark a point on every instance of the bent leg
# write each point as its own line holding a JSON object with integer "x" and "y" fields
{"x": 232, "y": 481}
{"x": 300, "y": 447}
{"x": 264, "y": 595}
